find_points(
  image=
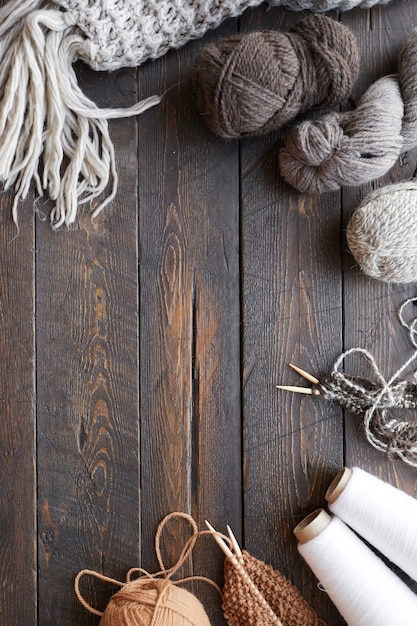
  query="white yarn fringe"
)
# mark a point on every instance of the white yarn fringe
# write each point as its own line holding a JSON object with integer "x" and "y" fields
{"x": 50, "y": 132}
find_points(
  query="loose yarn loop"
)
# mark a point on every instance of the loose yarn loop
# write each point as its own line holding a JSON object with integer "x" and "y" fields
{"x": 254, "y": 593}
{"x": 316, "y": 63}
{"x": 381, "y": 233}
{"x": 153, "y": 599}
{"x": 383, "y": 515}
{"x": 358, "y": 146}
{"x": 373, "y": 399}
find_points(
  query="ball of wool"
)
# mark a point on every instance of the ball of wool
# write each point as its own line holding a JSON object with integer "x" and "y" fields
{"x": 346, "y": 148}
{"x": 382, "y": 233}
{"x": 154, "y": 602}
{"x": 254, "y": 83}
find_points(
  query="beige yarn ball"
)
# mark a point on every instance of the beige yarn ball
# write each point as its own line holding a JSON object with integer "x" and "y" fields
{"x": 382, "y": 233}
{"x": 154, "y": 602}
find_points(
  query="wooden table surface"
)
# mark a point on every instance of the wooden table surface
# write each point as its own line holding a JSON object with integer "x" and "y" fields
{"x": 140, "y": 353}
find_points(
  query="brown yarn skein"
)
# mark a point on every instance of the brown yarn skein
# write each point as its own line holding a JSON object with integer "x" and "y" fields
{"x": 358, "y": 146}
{"x": 254, "y": 83}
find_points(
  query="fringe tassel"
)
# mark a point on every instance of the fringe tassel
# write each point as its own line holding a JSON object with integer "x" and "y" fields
{"x": 50, "y": 132}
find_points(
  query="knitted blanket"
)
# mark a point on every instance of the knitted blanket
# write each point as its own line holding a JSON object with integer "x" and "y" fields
{"x": 45, "y": 119}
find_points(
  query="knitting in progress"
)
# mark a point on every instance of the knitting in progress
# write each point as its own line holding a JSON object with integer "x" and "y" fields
{"x": 255, "y": 594}
{"x": 374, "y": 398}
{"x": 358, "y": 146}
{"x": 315, "y": 64}
{"x": 51, "y": 134}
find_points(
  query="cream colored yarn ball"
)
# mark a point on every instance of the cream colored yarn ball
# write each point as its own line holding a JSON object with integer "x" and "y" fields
{"x": 382, "y": 233}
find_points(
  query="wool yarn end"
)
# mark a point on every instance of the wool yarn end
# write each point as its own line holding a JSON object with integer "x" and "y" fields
{"x": 154, "y": 603}
{"x": 346, "y": 148}
{"x": 255, "y": 83}
{"x": 381, "y": 234}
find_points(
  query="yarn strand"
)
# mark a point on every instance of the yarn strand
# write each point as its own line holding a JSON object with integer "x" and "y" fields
{"x": 153, "y": 590}
{"x": 397, "y": 437}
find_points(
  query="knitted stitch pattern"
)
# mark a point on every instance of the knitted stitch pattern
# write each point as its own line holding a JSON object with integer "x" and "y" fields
{"x": 128, "y": 32}
{"x": 281, "y": 602}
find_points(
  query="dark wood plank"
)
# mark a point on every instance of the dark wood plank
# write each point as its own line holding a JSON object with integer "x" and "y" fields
{"x": 87, "y": 374}
{"x": 292, "y": 312}
{"x": 190, "y": 319}
{"x": 17, "y": 417}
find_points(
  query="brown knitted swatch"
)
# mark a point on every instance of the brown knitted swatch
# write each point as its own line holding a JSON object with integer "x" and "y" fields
{"x": 254, "y": 83}
{"x": 267, "y": 599}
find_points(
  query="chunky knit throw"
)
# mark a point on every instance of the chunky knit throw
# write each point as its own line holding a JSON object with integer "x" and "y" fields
{"x": 50, "y": 132}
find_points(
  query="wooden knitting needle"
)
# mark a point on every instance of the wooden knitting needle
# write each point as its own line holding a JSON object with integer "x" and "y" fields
{"x": 235, "y": 544}
{"x": 307, "y": 390}
{"x": 220, "y": 542}
{"x": 293, "y": 388}
{"x": 304, "y": 374}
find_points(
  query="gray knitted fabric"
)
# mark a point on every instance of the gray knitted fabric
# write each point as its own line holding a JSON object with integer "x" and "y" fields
{"x": 128, "y": 32}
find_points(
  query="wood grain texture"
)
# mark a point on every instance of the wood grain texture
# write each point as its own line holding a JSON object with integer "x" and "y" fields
{"x": 190, "y": 320}
{"x": 292, "y": 313}
{"x": 87, "y": 395}
{"x": 18, "y": 591}
{"x": 139, "y": 355}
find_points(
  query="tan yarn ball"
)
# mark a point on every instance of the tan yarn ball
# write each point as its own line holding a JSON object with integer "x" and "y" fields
{"x": 382, "y": 234}
{"x": 154, "y": 602}
{"x": 254, "y": 83}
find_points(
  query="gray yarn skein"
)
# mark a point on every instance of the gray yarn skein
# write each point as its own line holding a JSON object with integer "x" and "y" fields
{"x": 346, "y": 148}
{"x": 359, "y": 146}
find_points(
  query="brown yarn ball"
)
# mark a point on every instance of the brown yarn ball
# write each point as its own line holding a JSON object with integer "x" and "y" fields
{"x": 254, "y": 83}
{"x": 281, "y": 602}
{"x": 145, "y": 601}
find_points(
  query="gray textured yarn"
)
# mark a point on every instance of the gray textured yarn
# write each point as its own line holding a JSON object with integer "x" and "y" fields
{"x": 375, "y": 398}
{"x": 127, "y": 32}
{"x": 382, "y": 233}
{"x": 346, "y": 148}
{"x": 358, "y": 146}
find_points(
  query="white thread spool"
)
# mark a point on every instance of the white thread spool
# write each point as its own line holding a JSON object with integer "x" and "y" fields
{"x": 365, "y": 591}
{"x": 380, "y": 513}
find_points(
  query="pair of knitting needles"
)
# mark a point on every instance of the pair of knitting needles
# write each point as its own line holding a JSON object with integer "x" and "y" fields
{"x": 237, "y": 560}
{"x": 223, "y": 545}
{"x": 307, "y": 390}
